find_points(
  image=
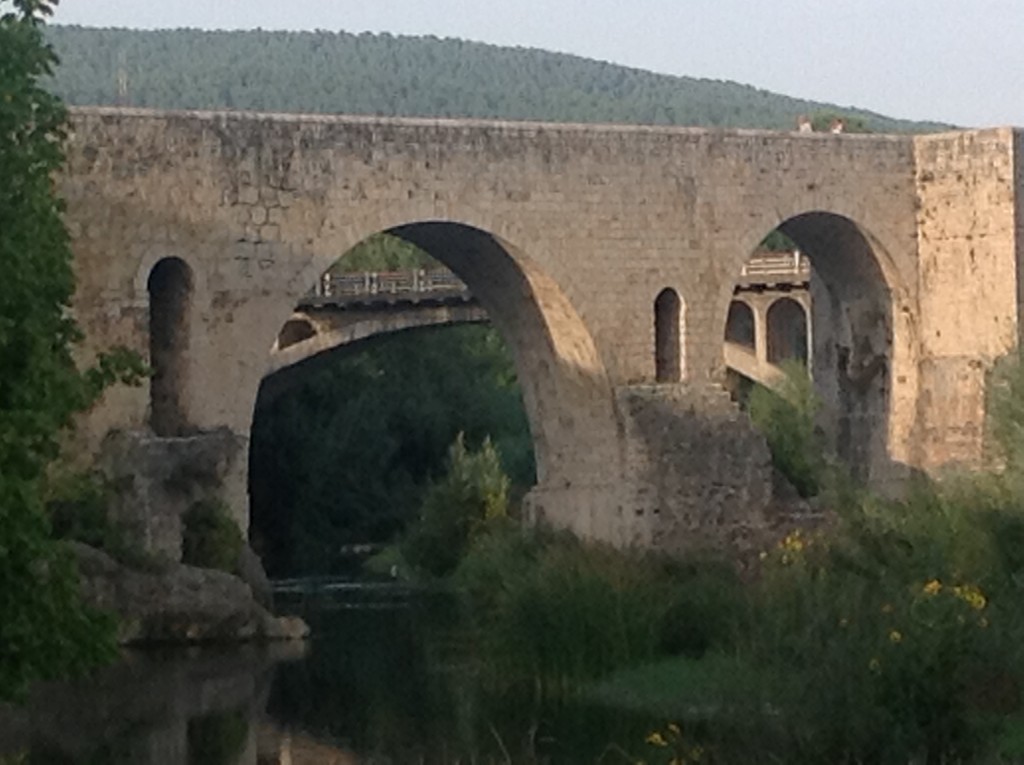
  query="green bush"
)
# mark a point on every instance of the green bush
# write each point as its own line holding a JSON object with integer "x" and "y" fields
{"x": 901, "y": 629}
{"x": 473, "y": 493}
{"x": 211, "y": 538}
{"x": 786, "y": 417}
{"x": 553, "y": 612}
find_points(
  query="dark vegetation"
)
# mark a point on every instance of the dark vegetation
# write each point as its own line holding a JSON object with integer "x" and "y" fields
{"x": 347, "y": 457}
{"x": 211, "y": 538}
{"x": 330, "y": 72}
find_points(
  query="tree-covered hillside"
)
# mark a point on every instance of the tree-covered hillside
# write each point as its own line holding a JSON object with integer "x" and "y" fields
{"x": 332, "y": 72}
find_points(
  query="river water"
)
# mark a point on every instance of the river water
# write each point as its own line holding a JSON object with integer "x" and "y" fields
{"x": 388, "y": 676}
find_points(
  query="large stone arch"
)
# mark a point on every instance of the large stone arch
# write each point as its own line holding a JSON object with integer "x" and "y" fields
{"x": 566, "y": 392}
{"x": 865, "y": 344}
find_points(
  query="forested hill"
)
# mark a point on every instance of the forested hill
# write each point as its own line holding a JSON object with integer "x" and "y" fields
{"x": 331, "y": 72}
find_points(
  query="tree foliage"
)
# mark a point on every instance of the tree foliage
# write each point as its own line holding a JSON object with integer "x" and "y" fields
{"x": 471, "y": 495}
{"x": 44, "y": 630}
{"x": 787, "y": 418}
{"x": 330, "y": 72}
{"x": 384, "y": 252}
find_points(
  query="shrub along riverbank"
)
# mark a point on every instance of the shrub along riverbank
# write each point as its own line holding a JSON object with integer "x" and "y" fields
{"x": 892, "y": 635}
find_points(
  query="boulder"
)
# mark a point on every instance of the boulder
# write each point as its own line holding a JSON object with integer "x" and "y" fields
{"x": 179, "y": 604}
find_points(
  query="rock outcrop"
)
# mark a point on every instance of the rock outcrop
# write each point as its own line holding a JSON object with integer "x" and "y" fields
{"x": 178, "y": 603}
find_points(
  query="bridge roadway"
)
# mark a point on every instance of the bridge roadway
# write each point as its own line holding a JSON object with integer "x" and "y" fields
{"x": 346, "y": 307}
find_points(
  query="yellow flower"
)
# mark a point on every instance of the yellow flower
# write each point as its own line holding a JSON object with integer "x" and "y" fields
{"x": 674, "y": 728}
{"x": 656, "y": 739}
{"x": 696, "y": 753}
{"x": 793, "y": 542}
{"x": 875, "y": 665}
{"x": 972, "y": 596}
{"x": 934, "y": 587}
{"x": 895, "y": 636}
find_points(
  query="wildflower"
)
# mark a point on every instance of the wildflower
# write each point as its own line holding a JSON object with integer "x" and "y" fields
{"x": 794, "y": 542}
{"x": 696, "y": 753}
{"x": 934, "y": 587}
{"x": 972, "y": 596}
{"x": 674, "y": 728}
{"x": 656, "y": 739}
{"x": 887, "y": 608}
{"x": 763, "y": 555}
{"x": 875, "y": 665}
{"x": 895, "y": 636}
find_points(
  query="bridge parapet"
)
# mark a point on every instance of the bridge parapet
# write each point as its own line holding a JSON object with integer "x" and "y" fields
{"x": 420, "y": 280}
{"x": 761, "y": 270}
{"x": 778, "y": 270}
{"x": 370, "y": 289}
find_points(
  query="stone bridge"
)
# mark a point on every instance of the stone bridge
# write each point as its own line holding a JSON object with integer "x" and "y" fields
{"x": 606, "y": 256}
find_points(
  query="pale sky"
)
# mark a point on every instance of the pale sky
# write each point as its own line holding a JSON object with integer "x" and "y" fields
{"x": 959, "y": 61}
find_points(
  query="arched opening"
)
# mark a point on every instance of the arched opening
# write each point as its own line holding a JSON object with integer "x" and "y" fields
{"x": 170, "y": 291}
{"x": 827, "y": 262}
{"x": 739, "y": 326}
{"x": 543, "y": 377}
{"x": 668, "y": 349}
{"x": 786, "y": 331}
{"x": 295, "y": 331}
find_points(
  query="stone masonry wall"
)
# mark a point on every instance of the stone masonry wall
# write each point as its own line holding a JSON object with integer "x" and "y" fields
{"x": 969, "y": 306}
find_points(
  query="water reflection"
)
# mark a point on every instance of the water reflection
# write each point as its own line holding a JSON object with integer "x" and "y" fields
{"x": 389, "y": 677}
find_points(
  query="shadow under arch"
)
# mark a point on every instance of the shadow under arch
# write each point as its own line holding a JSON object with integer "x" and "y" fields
{"x": 169, "y": 286}
{"x": 739, "y": 325}
{"x": 566, "y": 392}
{"x": 859, "y": 343}
{"x": 295, "y": 331}
{"x": 787, "y": 335}
{"x": 668, "y": 336}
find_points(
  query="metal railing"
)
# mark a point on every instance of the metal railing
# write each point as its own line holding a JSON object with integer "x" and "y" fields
{"x": 423, "y": 281}
{"x": 777, "y": 264}
{"x": 419, "y": 281}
